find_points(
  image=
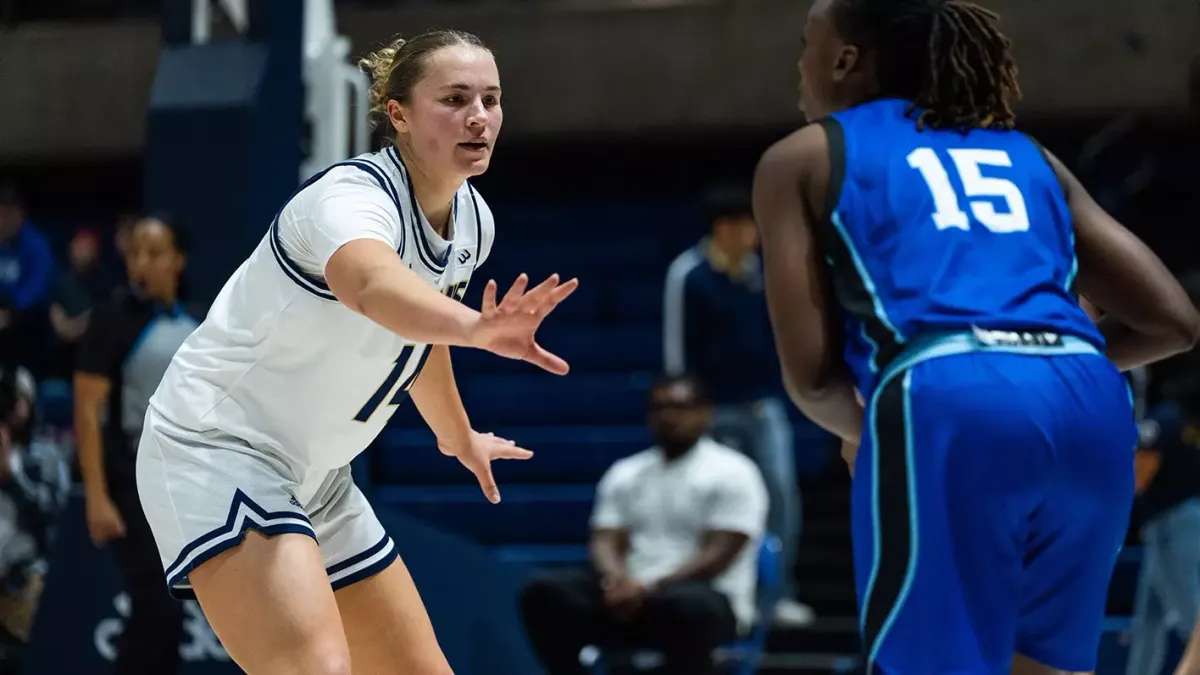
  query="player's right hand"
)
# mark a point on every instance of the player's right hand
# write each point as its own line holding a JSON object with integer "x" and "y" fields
{"x": 508, "y": 328}
{"x": 103, "y": 520}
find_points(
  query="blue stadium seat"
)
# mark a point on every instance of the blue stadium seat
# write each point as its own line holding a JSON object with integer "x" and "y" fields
{"x": 635, "y": 300}
{"x": 528, "y": 514}
{"x": 543, "y": 555}
{"x": 577, "y": 455}
{"x": 520, "y": 400}
{"x": 607, "y": 349}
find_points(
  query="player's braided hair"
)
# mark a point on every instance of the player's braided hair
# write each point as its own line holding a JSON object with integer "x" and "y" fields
{"x": 946, "y": 56}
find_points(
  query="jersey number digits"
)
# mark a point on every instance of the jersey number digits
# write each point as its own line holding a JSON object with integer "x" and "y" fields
{"x": 946, "y": 201}
{"x": 456, "y": 291}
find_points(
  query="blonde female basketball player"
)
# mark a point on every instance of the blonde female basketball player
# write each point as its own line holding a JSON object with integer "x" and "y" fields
{"x": 346, "y": 307}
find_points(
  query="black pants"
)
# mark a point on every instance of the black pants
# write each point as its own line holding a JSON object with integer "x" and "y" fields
{"x": 149, "y": 645}
{"x": 565, "y": 611}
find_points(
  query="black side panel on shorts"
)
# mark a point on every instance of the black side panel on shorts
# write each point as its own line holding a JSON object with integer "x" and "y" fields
{"x": 893, "y": 521}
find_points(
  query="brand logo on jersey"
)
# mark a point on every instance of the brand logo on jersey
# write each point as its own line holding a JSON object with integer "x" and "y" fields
{"x": 295, "y": 502}
{"x": 463, "y": 257}
{"x": 1017, "y": 339}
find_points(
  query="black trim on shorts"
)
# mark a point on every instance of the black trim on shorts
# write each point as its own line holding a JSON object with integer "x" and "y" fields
{"x": 895, "y": 512}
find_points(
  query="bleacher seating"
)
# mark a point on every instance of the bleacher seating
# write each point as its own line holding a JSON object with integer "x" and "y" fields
{"x": 609, "y": 331}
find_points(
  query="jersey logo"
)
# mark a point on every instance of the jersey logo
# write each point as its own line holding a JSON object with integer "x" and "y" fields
{"x": 464, "y": 256}
{"x": 1007, "y": 338}
{"x": 295, "y": 502}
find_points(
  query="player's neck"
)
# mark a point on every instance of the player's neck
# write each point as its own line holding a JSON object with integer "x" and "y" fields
{"x": 434, "y": 194}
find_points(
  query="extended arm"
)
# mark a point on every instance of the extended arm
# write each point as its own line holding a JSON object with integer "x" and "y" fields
{"x": 368, "y": 277}
{"x": 436, "y": 396}
{"x": 681, "y": 318}
{"x": 348, "y": 236}
{"x": 789, "y": 185}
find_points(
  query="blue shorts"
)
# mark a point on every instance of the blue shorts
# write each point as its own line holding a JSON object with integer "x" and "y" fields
{"x": 991, "y": 496}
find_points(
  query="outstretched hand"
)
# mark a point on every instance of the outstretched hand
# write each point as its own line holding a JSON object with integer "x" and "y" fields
{"x": 508, "y": 328}
{"x": 477, "y": 454}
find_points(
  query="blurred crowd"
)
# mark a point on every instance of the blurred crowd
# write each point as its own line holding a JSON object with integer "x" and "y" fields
{"x": 77, "y": 367}
{"x": 46, "y": 296}
{"x": 45, "y": 307}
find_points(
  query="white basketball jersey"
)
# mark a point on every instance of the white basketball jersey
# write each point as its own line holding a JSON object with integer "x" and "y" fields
{"x": 279, "y": 362}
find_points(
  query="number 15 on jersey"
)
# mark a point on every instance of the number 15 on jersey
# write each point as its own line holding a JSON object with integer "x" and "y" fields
{"x": 981, "y": 192}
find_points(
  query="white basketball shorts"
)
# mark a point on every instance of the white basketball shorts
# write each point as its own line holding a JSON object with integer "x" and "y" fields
{"x": 202, "y": 491}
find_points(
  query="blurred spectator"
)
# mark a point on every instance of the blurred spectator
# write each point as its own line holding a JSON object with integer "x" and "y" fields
{"x": 123, "y": 236}
{"x": 129, "y": 342}
{"x": 716, "y": 326}
{"x": 1168, "y": 595}
{"x": 675, "y": 533}
{"x": 80, "y": 285}
{"x": 26, "y": 273}
{"x": 34, "y": 483}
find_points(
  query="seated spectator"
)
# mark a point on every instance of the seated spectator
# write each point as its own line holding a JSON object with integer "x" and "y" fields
{"x": 26, "y": 272}
{"x": 716, "y": 326}
{"x": 675, "y": 535}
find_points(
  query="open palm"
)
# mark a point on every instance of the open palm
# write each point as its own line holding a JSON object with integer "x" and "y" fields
{"x": 509, "y": 328}
{"x": 477, "y": 455}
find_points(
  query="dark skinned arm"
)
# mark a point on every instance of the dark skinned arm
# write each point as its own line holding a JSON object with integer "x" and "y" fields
{"x": 1147, "y": 314}
{"x": 607, "y": 549}
{"x": 717, "y": 552}
{"x": 789, "y": 191}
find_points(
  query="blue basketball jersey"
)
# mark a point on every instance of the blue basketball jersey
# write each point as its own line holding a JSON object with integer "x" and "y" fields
{"x": 938, "y": 231}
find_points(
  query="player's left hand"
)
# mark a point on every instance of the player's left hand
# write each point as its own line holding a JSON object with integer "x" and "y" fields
{"x": 477, "y": 452}
{"x": 508, "y": 329}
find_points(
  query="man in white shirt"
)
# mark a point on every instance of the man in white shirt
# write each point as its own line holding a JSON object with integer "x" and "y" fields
{"x": 675, "y": 536}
